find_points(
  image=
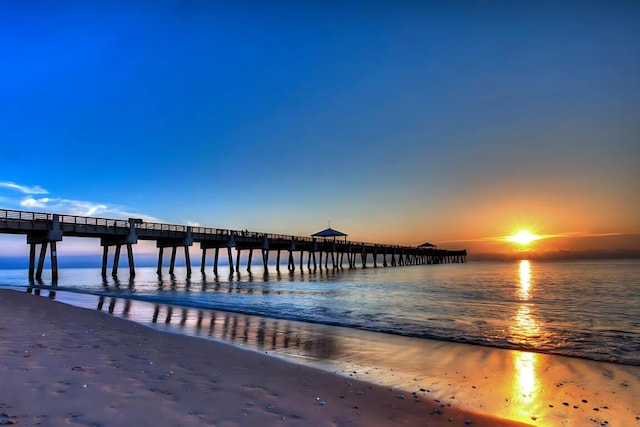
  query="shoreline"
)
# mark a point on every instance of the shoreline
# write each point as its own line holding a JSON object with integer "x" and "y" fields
{"x": 116, "y": 301}
{"x": 67, "y": 365}
{"x": 440, "y": 380}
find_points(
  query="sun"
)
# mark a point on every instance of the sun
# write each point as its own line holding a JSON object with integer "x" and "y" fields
{"x": 523, "y": 237}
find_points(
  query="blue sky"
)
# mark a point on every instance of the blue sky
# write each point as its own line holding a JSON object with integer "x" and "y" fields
{"x": 399, "y": 122}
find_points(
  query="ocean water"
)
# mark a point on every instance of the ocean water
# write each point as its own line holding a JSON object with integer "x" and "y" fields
{"x": 587, "y": 309}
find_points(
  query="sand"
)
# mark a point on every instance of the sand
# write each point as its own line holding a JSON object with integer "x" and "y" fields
{"x": 534, "y": 388}
{"x": 65, "y": 365}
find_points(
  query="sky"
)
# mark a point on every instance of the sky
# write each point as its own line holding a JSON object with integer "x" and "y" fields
{"x": 403, "y": 122}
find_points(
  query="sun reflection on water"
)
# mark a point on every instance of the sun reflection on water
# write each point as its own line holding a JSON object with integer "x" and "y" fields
{"x": 525, "y": 280}
{"x": 526, "y": 386}
{"x": 525, "y": 326}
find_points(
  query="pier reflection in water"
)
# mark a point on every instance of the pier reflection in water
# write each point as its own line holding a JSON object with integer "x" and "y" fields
{"x": 252, "y": 331}
{"x": 39, "y": 286}
{"x": 236, "y": 283}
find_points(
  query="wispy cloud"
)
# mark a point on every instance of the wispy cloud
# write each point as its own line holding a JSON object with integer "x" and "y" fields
{"x": 479, "y": 239}
{"x": 36, "y": 189}
{"x": 62, "y": 205}
{"x": 32, "y": 203}
{"x": 81, "y": 208}
{"x": 66, "y": 206}
{"x": 583, "y": 234}
{"x": 542, "y": 236}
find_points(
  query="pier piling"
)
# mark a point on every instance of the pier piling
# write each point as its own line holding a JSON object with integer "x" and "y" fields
{"x": 47, "y": 229}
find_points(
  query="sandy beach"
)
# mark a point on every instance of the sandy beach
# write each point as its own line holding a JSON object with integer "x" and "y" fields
{"x": 65, "y": 365}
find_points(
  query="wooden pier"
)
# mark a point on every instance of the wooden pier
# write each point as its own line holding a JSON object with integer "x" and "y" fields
{"x": 46, "y": 229}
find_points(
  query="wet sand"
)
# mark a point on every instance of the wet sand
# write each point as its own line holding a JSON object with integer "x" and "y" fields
{"x": 64, "y": 365}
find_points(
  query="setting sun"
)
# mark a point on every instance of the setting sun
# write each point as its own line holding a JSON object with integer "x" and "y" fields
{"x": 523, "y": 237}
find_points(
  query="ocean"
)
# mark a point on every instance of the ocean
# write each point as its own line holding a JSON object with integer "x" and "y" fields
{"x": 585, "y": 309}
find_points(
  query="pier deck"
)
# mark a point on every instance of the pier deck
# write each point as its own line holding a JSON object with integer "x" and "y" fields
{"x": 45, "y": 229}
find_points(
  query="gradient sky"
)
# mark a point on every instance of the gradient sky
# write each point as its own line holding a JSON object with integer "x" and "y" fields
{"x": 400, "y": 122}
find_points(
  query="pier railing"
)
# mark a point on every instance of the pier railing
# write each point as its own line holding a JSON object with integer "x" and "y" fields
{"x": 48, "y": 228}
{"x": 27, "y": 221}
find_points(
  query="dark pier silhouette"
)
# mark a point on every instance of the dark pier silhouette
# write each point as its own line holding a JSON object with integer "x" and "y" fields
{"x": 46, "y": 229}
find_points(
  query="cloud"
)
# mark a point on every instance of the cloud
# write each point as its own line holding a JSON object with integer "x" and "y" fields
{"x": 480, "y": 239}
{"x": 66, "y": 206}
{"x": 81, "y": 208}
{"x": 542, "y": 236}
{"x": 23, "y": 188}
{"x": 583, "y": 234}
{"x": 32, "y": 203}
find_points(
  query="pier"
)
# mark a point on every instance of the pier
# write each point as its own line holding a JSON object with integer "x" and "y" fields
{"x": 44, "y": 230}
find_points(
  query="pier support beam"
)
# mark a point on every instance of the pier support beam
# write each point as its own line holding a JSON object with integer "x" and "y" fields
{"x": 203, "y": 261}
{"x": 265, "y": 255}
{"x": 44, "y": 239}
{"x": 43, "y": 254}
{"x": 187, "y": 259}
{"x": 215, "y": 245}
{"x": 53, "y": 255}
{"x": 174, "y": 243}
{"x": 230, "y": 256}
{"x": 129, "y": 240}
{"x": 301, "y": 262}
{"x": 312, "y": 255}
{"x": 32, "y": 259}
{"x": 249, "y": 260}
{"x": 116, "y": 259}
{"x": 291, "y": 264}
